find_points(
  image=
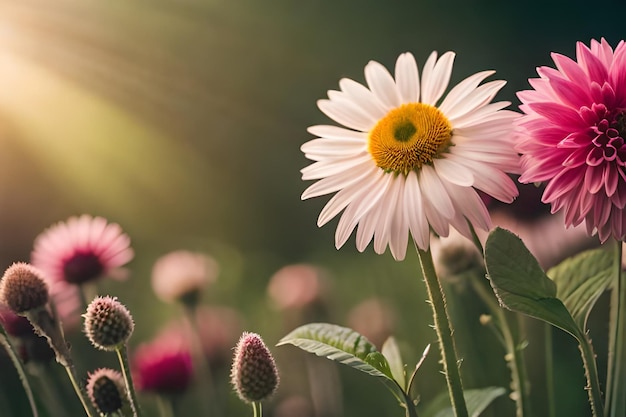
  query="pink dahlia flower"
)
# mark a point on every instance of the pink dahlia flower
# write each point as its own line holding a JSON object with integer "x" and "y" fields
{"x": 572, "y": 137}
{"x": 81, "y": 249}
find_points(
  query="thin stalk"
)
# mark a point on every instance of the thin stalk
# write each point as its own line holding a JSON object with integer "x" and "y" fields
{"x": 549, "y": 370}
{"x": 71, "y": 373}
{"x": 164, "y": 404}
{"x": 4, "y": 340}
{"x": 210, "y": 402}
{"x": 410, "y": 407}
{"x": 257, "y": 409}
{"x": 616, "y": 374}
{"x": 512, "y": 346}
{"x": 591, "y": 372}
{"x": 122, "y": 355}
{"x": 444, "y": 333}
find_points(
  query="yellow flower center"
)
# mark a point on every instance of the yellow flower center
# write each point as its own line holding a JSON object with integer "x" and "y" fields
{"x": 408, "y": 137}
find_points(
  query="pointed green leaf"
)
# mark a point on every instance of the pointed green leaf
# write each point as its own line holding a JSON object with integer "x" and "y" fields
{"x": 581, "y": 279}
{"x": 520, "y": 284}
{"x": 477, "y": 401}
{"x": 391, "y": 351}
{"x": 339, "y": 344}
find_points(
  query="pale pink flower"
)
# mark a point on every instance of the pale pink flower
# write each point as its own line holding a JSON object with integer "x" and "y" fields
{"x": 572, "y": 137}
{"x": 296, "y": 286}
{"x": 182, "y": 274}
{"x": 409, "y": 158}
{"x": 81, "y": 250}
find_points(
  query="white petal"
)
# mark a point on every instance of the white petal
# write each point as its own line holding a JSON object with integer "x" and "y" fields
{"x": 399, "y": 234}
{"x": 435, "y": 82}
{"x": 457, "y": 174}
{"x": 434, "y": 191}
{"x": 469, "y": 205}
{"x": 462, "y": 89}
{"x": 407, "y": 78}
{"x": 414, "y": 212}
{"x": 382, "y": 85}
{"x": 345, "y": 114}
{"x": 363, "y": 98}
{"x": 496, "y": 183}
{"x": 330, "y": 167}
{"x": 360, "y": 206}
{"x": 479, "y": 115}
{"x": 337, "y": 182}
{"x": 336, "y": 132}
{"x": 476, "y": 99}
{"x": 340, "y": 200}
{"x": 366, "y": 228}
{"x": 325, "y": 146}
{"x": 387, "y": 209}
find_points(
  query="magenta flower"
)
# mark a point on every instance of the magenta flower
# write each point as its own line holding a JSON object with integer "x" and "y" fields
{"x": 163, "y": 366}
{"x": 81, "y": 249}
{"x": 572, "y": 137}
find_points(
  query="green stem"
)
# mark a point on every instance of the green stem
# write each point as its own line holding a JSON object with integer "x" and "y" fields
{"x": 165, "y": 407}
{"x": 512, "y": 345}
{"x": 444, "y": 334}
{"x": 616, "y": 374}
{"x": 257, "y": 410}
{"x": 591, "y": 372}
{"x": 80, "y": 392}
{"x": 122, "y": 355}
{"x": 550, "y": 370}
{"x": 410, "y": 407}
{"x": 4, "y": 340}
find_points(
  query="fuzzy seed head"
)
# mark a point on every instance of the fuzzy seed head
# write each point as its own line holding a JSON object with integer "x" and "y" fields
{"x": 253, "y": 375}
{"x": 23, "y": 288}
{"x": 108, "y": 323}
{"x": 106, "y": 390}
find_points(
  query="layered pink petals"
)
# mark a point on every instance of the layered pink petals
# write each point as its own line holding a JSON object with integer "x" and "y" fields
{"x": 572, "y": 137}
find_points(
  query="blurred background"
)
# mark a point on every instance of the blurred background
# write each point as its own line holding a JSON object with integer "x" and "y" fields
{"x": 182, "y": 122}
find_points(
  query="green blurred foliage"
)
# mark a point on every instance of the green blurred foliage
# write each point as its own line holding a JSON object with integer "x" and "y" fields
{"x": 182, "y": 121}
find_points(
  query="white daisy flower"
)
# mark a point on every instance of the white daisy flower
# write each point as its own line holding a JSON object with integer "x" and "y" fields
{"x": 404, "y": 162}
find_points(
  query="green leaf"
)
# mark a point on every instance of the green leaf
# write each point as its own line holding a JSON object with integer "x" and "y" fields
{"x": 477, "y": 401}
{"x": 391, "y": 351}
{"x": 581, "y": 279}
{"x": 521, "y": 285}
{"x": 339, "y": 344}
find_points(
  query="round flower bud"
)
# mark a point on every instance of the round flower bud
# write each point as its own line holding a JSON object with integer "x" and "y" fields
{"x": 108, "y": 324}
{"x": 23, "y": 288}
{"x": 253, "y": 375}
{"x": 106, "y": 390}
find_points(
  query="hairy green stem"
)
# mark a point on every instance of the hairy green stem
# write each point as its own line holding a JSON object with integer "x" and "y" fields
{"x": 4, "y": 340}
{"x": 616, "y": 374}
{"x": 512, "y": 344}
{"x": 591, "y": 372}
{"x": 444, "y": 334}
{"x": 122, "y": 355}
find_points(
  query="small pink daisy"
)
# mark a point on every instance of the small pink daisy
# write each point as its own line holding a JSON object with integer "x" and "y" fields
{"x": 81, "y": 249}
{"x": 572, "y": 137}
